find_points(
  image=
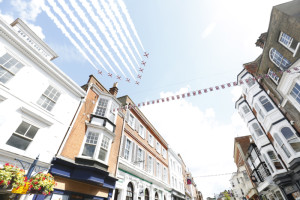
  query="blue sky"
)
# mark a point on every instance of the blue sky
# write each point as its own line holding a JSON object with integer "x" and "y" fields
{"x": 193, "y": 45}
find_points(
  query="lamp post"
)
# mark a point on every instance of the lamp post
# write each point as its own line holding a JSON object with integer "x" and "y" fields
{"x": 30, "y": 170}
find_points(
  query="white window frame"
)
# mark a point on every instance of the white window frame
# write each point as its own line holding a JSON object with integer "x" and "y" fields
{"x": 107, "y": 106}
{"x": 289, "y": 40}
{"x": 140, "y": 158}
{"x": 152, "y": 139}
{"x": 250, "y": 81}
{"x": 129, "y": 150}
{"x": 158, "y": 170}
{"x": 148, "y": 166}
{"x": 98, "y": 145}
{"x": 24, "y": 136}
{"x": 282, "y": 145}
{"x": 142, "y": 131}
{"x": 164, "y": 153}
{"x": 40, "y": 102}
{"x": 246, "y": 109}
{"x": 273, "y": 76}
{"x": 158, "y": 147}
{"x": 130, "y": 122}
{"x": 165, "y": 174}
{"x": 257, "y": 129}
{"x": 9, "y": 71}
{"x": 280, "y": 58}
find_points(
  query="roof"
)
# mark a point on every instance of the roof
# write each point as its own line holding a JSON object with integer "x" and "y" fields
{"x": 291, "y": 8}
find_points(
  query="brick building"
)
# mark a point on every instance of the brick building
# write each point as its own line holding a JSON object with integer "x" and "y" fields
{"x": 242, "y": 186}
{"x": 143, "y": 160}
{"x": 85, "y": 166}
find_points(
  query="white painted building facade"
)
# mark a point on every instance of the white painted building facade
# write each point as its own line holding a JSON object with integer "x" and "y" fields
{"x": 37, "y": 100}
{"x": 176, "y": 177}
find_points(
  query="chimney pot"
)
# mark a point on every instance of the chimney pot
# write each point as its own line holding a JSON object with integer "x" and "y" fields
{"x": 114, "y": 89}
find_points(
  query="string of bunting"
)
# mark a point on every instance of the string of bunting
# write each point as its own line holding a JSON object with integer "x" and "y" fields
{"x": 206, "y": 90}
{"x": 213, "y": 175}
{"x": 118, "y": 77}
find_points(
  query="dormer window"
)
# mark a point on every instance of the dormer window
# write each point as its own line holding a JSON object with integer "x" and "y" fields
{"x": 9, "y": 66}
{"x": 291, "y": 138}
{"x": 106, "y": 108}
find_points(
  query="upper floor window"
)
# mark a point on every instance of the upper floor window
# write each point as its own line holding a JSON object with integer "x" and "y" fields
{"x": 250, "y": 82}
{"x": 131, "y": 120}
{"x": 127, "y": 149}
{"x": 291, "y": 138}
{"x": 266, "y": 103}
{"x": 257, "y": 129}
{"x": 281, "y": 144}
{"x": 142, "y": 131}
{"x": 150, "y": 139}
{"x": 273, "y": 76}
{"x": 268, "y": 163}
{"x": 245, "y": 109}
{"x": 158, "y": 170}
{"x": 23, "y": 136}
{"x": 278, "y": 59}
{"x": 93, "y": 143}
{"x": 101, "y": 107}
{"x": 275, "y": 160}
{"x": 258, "y": 109}
{"x": 165, "y": 175}
{"x": 158, "y": 147}
{"x": 164, "y": 153}
{"x": 140, "y": 158}
{"x": 49, "y": 98}
{"x": 9, "y": 66}
{"x": 288, "y": 41}
{"x": 112, "y": 112}
{"x": 150, "y": 164}
{"x": 295, "y": 93}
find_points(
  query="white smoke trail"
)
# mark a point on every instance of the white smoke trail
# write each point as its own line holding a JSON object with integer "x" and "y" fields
{"x": 123, "y": 24}
{"x": 66, "y": 33}
{"x": 116, "y": 24}
{"x": 66, "y": 8}
{"x": 108, "y": 24}
{"x": 71, "y": 27}
{"x": 125, "y": 11}
{"x": 102, "y": 28}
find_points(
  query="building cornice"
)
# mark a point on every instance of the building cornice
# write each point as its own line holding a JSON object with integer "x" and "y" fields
{"x": 7, "y": 32}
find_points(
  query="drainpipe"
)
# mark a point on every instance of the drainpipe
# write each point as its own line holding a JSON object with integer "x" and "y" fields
{"x": 121, "y": 144}
{"x": 72, "y": 122}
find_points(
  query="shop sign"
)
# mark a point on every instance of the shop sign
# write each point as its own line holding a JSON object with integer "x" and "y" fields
{"x": 289, "y": 189}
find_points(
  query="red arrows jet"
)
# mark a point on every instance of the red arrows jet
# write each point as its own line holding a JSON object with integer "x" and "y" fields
{"x": 146, "y": 54}
{"x": 143, "y": 63}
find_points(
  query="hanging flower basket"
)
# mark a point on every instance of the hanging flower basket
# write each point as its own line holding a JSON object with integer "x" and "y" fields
{"x": 11, "y": 177}
{"x": 41, "y": 184}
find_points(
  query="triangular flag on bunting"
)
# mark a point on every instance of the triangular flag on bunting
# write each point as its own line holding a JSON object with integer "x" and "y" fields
{"x": 199, "y": 91}
{"x": 188, "y": 94}
{"x": 173, "y": 98}
{"x": 223, "y": 86}
{"x": 205, "y": 90}
{"x": 178, "y": 97}
{"x": 228, "y": 84}
{"x": 217, "y": 87}
{"x": 183, "y": 95}
{"x": 211, "y": 89}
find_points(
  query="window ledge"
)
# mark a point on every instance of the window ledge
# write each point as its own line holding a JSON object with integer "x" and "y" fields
{"x": 3, "y": 85}
{"x": 91, "y": 162}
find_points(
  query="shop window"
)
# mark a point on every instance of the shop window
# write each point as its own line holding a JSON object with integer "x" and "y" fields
{"x": 146, "y": 194}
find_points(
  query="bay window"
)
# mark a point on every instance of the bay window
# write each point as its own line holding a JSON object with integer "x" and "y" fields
{"x": 281, "y": 144}
{"x": 275, "y": 160}
{"x": 295, "y": 93}
{"x": 257, "y": 129}
{"x": 266, "y": 103}
{"x": 250, "y": 82}
{"x": 96, "y": 146}
{"x": 291, "y": 138}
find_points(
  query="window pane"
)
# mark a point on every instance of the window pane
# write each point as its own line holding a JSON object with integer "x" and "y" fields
{"x": 92, "y": 138}
{"x": 23, "y": 128}
{"x": 4, "y": 75}
{"x": 287, "y": 133}
{"x": 88, "y": 150}
{"x": 31, "y": 132}
{"x": 18, "y": 142}
{"x": 102, "y": 154}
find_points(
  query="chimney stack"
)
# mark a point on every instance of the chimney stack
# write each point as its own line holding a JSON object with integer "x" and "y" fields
{"x": 114, "y": 89}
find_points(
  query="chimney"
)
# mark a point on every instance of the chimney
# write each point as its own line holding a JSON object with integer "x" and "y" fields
{"x": 114, "y": 89}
